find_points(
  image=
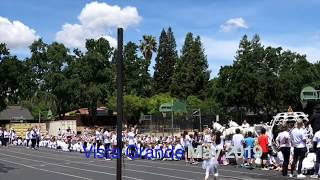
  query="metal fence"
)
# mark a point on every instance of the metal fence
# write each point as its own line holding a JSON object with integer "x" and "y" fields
{"x": 158, "y": 123}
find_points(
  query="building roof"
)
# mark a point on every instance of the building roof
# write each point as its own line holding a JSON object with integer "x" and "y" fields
{"x": 101, "y": 111}
{"x": 16, "y": 113}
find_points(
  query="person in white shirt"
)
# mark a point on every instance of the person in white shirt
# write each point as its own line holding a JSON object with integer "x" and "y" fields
{"x": 245, "y": 124}
{"x": 211, "y": 164}
{"x": 6, "y": 136}
{"x": 10, "y": 136}
{"x": 193, "y": 144}
{"x": 68, "y": 136}
{"x": 185, "y": 142}
{"x": 98, "y": 137}
{"x": 64, "y": 146}
{"x": 132, "y": 143}
{"x": 28, "y": 137}
{"x": 316, "y": 146}
{"x": 309, "y": 162}
{"x": 19, "y": 142}
{"x": 33, "y": 138}
{"x": 283, "y": 140}
{"x": 114, "y": 140}
{"x": 38, "y": 136}
{"x": 1, "y": 136}
{"x": 13, "y": 136}
{"x": 237, "y": 142}
{"x": 298, "y": 139}
{"x": 220, "y": 146}
{"x": 59, "y": 134}
{"x": 107, "y": 143}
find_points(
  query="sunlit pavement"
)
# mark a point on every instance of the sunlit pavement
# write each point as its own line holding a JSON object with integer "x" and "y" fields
{"x": 17, "y": 163}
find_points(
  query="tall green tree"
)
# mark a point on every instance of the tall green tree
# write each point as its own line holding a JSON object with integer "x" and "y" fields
{"x": 15, "y": 84}
{"x": 191, "y": 74}
{"x": 38, "y": 61}
{"x": 95, "y": 73}
{"x": 137, "y": 80}
{"x": 247, "y": 68}
{"x": 296, "y": 72}
{"x": 4, "y": 52}
{"x": 165, "y": 62}
{"x": 10, "y": 72}
{"x": 269, "y": 86}
{"x": 56, "y": 81}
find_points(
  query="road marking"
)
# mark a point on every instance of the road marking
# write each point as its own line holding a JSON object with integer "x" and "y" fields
{"x": 66, "y": 166}
{"x": 40, "y": 165}
{"x": 154, "y": 162}
{"x": 144, "y": 172}
{"x": 65, "y": 174}
{"x": 159, "y": 174}
{"x": 163, "y": 163}
{"x": 157, "y": 163}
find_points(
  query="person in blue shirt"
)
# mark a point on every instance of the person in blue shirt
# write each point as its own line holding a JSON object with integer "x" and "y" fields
{"x": 249, "y": 142}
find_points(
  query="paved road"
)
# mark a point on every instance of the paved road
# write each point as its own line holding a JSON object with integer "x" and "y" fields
{"x": 19, "y": 163}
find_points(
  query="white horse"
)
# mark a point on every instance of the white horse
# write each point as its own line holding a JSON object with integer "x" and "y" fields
{"x": 232, "y": 128}
{"x": 233, "y": 124}
{"x": 218, "y": 127}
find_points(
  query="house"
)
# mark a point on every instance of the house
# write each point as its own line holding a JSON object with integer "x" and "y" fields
{"x": 104, "y": 117}
{"x": 15, "y": 114}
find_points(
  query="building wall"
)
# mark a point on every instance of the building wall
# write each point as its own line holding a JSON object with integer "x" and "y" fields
{"x": 53, "y": 126}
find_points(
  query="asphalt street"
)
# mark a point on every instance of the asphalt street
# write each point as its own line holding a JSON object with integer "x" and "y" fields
{"x": 20, "y": 163}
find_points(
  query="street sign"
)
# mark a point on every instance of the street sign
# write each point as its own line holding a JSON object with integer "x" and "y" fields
{"x": 196, "y": 112}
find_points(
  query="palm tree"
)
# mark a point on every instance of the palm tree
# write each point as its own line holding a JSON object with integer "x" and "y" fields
{"x": 147, "y": 46}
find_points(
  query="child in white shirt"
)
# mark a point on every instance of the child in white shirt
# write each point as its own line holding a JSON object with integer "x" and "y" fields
{"x": 309, "y": 162}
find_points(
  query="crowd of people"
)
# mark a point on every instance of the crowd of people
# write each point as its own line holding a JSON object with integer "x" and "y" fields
{"x": 32, "y": 137}
{"x": 257, "y": 151}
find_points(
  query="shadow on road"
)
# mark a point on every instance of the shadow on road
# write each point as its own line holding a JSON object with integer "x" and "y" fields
{"x": 5, "y": 169}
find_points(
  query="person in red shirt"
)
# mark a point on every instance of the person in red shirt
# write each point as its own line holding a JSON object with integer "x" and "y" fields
{"x": 263, "y": 142}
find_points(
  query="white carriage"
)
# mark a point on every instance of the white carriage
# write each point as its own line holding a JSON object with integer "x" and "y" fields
{"x": 290, "y": 119}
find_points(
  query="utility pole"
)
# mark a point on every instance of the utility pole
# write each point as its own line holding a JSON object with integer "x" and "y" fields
{"x": 172, "y": 118}
{"x": 200, "y": 120}
{"x": 119, "y": 101}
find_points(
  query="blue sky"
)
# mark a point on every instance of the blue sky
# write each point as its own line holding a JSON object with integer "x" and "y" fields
{"x": 291, "y": 24}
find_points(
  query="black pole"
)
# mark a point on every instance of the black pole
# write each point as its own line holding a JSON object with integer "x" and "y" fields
{"x": 119, "y": 101}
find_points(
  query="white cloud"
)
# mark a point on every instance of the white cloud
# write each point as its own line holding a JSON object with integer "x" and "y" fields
{"x": 97, "y": 20}
{"x": 102, "y": 15}
{"x": 233, "y": 24}
{"x": 15, "y": 34}
{"x": 75, "y": 35}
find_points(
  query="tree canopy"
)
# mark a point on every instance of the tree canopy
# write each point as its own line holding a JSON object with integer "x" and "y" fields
{"x": 261, "y": 79}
